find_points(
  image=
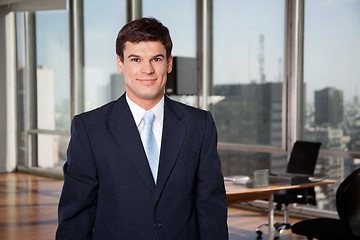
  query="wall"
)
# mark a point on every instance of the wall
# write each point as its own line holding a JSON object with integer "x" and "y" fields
{"x": 7, "y": 91}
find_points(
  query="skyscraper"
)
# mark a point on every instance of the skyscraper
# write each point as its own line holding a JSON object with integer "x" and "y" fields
{"x": 329, "y": 107}
{"x": 46, "y": 118}
{"x": 249, "y": 114}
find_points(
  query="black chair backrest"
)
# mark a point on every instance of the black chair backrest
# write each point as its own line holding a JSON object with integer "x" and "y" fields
{"x": 348, "y": 201}
{"x": 303, "y": 157}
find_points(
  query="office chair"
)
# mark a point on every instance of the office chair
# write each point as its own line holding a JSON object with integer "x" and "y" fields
{"x": 348, "y": 208}
{"x": 302, "y": 160}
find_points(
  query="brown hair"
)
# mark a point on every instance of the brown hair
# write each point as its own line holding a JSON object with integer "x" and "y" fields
{"x": 143, "y": 29}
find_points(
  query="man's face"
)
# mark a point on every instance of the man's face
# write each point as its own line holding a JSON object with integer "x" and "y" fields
{"x": 145, "y": 67}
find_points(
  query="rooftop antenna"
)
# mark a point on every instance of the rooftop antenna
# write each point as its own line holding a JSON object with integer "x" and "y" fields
{"x": 249, "y": 62}
{"x": 279, "y": 69}
{"x": 262, "y": 59}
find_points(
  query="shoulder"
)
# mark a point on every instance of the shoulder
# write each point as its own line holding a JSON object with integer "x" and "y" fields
{"x": 90, "y": 120}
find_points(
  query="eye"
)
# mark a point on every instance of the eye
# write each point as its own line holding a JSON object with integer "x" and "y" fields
{"x": 157, "y": 59}
{"x": 135, "y": 60}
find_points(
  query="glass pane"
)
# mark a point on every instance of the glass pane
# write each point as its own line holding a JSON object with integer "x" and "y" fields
{"x": 51, "y": 151}
{"x": 183, "y": 34}
{"x": 102, "y": 22}
{"x": 331, "y": 74}
{"x": 247, "y": 74}
{"x": 335, "y": 168}
{"x": 53, "y": 71}
{"x": 20, "y": 44}
{"x": 245, "y": 163}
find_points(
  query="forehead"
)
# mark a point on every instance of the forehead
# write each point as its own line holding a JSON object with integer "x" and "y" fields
{"x": 144, "y": 48}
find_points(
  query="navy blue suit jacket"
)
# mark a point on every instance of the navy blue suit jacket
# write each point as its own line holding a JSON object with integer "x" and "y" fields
{"x": 109, "y": 192}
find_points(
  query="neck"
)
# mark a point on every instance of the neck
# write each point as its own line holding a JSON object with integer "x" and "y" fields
{"x": 146, "y": 104}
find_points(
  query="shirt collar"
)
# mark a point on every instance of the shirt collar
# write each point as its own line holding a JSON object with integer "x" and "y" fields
{"x": 138, "y": 112}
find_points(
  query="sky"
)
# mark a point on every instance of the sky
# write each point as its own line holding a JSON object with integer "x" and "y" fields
{"x": 238, "y": 26}
{"x": 332, "y": 41}
{"x": 332, "y": 46}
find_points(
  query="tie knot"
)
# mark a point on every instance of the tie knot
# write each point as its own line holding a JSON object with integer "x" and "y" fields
{"x": 148, "y": 117}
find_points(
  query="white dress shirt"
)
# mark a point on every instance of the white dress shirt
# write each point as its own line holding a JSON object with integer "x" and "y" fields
{"x": 138, "y": 113}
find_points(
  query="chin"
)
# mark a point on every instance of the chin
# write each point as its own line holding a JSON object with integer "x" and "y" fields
{"x": 152, "y": 95}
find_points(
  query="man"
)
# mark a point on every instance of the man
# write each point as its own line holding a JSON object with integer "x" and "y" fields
{"x": 114, "y": 188}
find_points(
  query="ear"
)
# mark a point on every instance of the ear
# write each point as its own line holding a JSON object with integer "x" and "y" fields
{"x": 169, "y": 64}
{"x": 119, "y": 64}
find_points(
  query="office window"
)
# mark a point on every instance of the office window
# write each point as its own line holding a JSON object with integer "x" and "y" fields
{"x": 247, "y": 71}
{"x": 53, "y": 69}
{"x": 20, "y": 44}
{"x": 102, "y": 22}
{"x": 248, "y": 50}
{"x": 234, "y": 162}
{"x": 53, "y": 87}
{"x": 42, "y": 144}
{"x": 331, "y": 77}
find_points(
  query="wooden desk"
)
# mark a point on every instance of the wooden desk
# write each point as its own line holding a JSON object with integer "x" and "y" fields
{"x": 240, "y": 193}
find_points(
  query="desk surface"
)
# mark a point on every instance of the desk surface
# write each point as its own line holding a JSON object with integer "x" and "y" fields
{"x": 240, "y": 193}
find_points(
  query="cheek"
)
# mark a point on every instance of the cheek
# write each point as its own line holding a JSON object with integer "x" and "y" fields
{"x": 128, "y": 79}
{"x": 129, "y": 72}
{"x": 162, "y": 70}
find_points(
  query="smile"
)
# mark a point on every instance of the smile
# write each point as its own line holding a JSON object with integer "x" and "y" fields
{"x": 151, "y": 80}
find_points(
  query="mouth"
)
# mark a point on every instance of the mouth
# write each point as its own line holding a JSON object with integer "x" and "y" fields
{"x": 147, "y": 80}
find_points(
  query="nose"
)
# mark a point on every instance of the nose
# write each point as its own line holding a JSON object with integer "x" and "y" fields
{"x": 147, "y": 68}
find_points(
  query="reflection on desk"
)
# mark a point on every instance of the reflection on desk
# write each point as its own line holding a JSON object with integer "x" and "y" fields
{"x": 236, "y": 193}
{"x": 239, "y": 179}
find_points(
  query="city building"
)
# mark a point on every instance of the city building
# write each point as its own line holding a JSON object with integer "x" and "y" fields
{"x": 255, "y": 119}
{"x": 329, "y": 107}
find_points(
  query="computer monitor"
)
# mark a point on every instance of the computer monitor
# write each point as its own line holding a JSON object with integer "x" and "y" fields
{"x": 303, "y": 157}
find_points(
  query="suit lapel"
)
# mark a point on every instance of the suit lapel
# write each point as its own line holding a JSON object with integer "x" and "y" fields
{"x": 123, "y": 127}
{"x": 172, "y": 141}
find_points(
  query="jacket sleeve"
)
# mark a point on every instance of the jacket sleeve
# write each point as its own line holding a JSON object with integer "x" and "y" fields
{"x": 211, "y": 204}
{"x": 77, "y": 206}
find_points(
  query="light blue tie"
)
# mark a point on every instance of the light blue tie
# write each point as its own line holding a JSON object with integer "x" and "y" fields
{"x": 149, "y": 142}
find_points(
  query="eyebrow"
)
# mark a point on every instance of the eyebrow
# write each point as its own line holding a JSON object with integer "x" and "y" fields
{"x": 137, "y": 56}
{"x": 133, "y": 55}
{"x": 159, "y": 55}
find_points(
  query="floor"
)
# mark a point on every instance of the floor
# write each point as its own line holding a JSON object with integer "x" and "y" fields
{"x": 28, "y": 210}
